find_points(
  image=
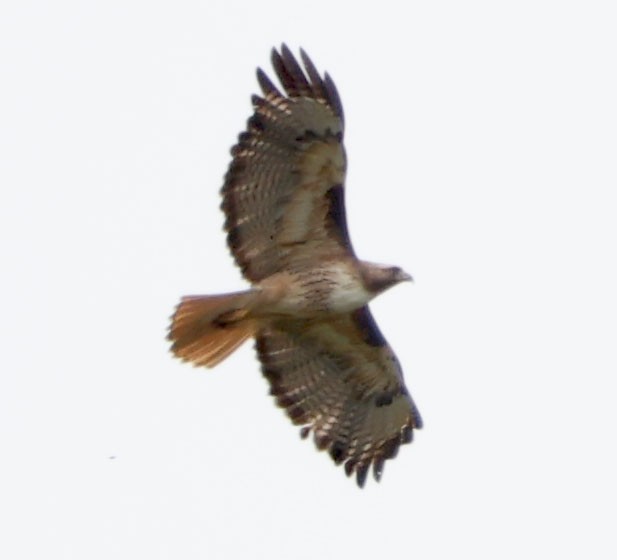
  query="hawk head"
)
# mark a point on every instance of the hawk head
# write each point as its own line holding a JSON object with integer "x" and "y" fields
{"x": 378, "y": 278}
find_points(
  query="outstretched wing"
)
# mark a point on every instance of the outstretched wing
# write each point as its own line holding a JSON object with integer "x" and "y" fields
{"x": 283, "y": 192}
{"x": 340, "y": 379}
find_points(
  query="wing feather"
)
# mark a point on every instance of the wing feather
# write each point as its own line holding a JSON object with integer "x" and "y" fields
{"x": 283, "y": 193}
{"x": 319, "y": 89}
{"x": 267, "y": 86}
{"x": 340, "y": 379}
{"x": 292, "y": 76}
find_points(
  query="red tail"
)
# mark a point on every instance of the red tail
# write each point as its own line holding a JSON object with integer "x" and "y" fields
{"x": 206, "y": 329}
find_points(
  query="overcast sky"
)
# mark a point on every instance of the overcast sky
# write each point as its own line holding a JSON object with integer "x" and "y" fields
{"x": 482, "y": 146}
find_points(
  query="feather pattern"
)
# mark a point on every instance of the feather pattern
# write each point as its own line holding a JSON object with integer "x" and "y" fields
{"x": 348, "y": 392}
{"x": 290, "y": 157}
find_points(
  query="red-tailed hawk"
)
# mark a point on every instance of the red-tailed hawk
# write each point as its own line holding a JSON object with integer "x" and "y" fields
{"x": 327, "y": 362}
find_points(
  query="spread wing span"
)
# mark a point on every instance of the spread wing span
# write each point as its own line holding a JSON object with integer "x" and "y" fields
{"x": 326, "y": 360}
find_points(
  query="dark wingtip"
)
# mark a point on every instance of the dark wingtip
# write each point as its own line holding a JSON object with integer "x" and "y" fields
{"x": 306, "y": 59}
{"x": 378, "y": 466}
{"x": 338, "y": 452}
{"x": 361, "y": 472}
{"x": 418, "y": 423}
{"x": 286, "y": 51}
{"x": 333, "y": 97}
{"x": 298, "y": 82}
{"x": 407, "y": 434}
{"x": 266, "y": 85}
{"x": 275, "y": 58}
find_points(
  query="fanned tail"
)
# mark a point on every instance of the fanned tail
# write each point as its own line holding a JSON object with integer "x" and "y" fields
{"x": 206, "y": 329}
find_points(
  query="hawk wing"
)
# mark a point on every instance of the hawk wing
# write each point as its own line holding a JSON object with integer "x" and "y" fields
{"x": 283, "y": 192}
{"x": 340, "y": 379}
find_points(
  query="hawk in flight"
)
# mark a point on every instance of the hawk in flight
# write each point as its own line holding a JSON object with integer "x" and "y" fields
{"x": 325, "y": 358}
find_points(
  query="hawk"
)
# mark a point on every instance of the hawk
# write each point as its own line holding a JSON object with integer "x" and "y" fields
{"x": 320, "y": 349}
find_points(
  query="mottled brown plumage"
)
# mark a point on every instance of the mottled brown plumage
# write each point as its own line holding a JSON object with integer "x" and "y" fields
{"x": 327, "y": 362}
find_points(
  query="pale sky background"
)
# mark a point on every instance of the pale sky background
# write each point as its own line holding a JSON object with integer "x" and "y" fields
{"x": 482, "y": 144}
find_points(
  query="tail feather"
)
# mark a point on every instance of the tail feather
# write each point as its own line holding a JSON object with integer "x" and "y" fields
{"x": 206, "y": 329}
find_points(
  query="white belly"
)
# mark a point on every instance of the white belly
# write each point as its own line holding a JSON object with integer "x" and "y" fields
{"x": 348, "y": 292}
{"x": 327, "y": 290}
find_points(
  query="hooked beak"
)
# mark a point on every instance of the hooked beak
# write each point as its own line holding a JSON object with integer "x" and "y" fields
{"x": 404, "y": 277}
